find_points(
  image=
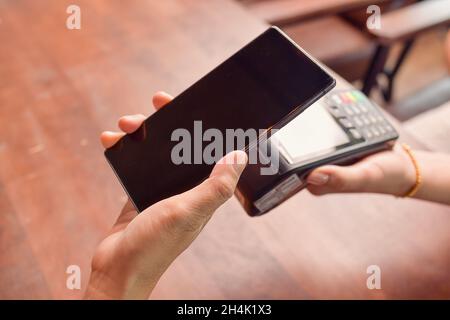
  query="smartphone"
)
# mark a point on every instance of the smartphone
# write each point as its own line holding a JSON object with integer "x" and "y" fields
{"x": 262, "y": 86}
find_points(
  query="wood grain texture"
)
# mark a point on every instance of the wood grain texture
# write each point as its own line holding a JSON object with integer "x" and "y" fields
{"x": 59, "y": 89}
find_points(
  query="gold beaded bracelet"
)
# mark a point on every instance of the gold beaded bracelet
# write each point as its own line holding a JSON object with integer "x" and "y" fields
{"x": 418, "y": 182}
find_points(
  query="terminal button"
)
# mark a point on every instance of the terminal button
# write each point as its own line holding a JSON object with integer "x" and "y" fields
{"x": 355, "y": 133}
{"x": 346, "y": 123}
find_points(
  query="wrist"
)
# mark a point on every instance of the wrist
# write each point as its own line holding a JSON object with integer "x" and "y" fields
{"x": 119, "y": 284}
{"x": 101, "y": 286}
{"x": 409, "y": 176}
{"x": 121, "y": 280}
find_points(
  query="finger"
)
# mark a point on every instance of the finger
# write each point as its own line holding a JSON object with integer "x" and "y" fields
{"x": 204, "y": 199}
{"x": 131, "y": 123}
{"x": 110, "y": 138}
{"x": 332, "y": 179}
{"x": 220, "y": 186}
{"x": 160, "y": 99}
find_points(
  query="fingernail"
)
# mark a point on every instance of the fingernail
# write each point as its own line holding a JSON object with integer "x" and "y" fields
{"x": 318, "y": 178}
{"x": 238, "y": 159}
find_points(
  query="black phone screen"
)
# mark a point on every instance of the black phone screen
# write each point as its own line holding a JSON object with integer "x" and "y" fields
{"x": 266, "y": 82}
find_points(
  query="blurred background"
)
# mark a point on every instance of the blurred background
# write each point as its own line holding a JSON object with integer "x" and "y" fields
{"x": 404, "y": 67}
{"x": 59, "y": 88}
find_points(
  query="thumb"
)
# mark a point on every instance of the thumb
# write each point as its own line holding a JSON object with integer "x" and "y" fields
{"x": 333, "y": 179}
{"x": 208, "y": 196}
{"x": 220, "y": 186}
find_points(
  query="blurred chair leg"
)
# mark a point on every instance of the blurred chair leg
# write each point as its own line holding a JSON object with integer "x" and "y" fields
{"x": 375, "y": 68}
{"x": 391, "y": 73}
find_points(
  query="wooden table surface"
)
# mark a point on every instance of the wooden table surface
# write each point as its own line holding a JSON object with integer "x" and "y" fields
{"x": 60, "y": 88}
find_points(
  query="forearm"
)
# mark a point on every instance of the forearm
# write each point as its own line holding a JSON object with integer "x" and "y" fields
{"x": 435, "y": 171}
